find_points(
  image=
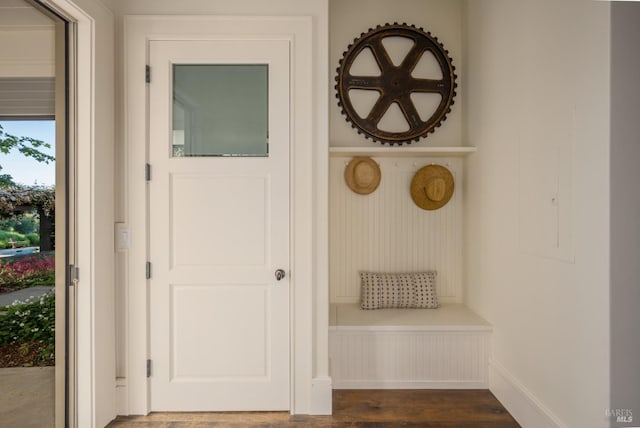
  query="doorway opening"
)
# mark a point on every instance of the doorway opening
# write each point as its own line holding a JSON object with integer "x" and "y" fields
{"x": 33, "y": 215}
{"x": 27, "y": 265}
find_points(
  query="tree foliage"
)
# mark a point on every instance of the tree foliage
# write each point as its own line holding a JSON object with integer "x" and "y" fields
{"x": 16, "y": 199}
{"x": 25, "y": 223}
{"x": 30, "y": 147}
{"x": 6, "y": 180}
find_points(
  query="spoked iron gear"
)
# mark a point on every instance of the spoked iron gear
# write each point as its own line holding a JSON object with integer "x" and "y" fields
{"x": 396, "y": 84}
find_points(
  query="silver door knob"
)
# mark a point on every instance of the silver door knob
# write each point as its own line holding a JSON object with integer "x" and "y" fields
{"x": 280, "y": 273}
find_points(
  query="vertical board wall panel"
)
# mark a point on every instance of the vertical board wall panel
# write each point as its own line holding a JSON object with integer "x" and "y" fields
{"x": 386, "y": 232}
{"x": 409, "y": 359}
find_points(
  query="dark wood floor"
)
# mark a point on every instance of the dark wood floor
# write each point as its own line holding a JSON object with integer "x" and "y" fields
{"x": 358, "y": 408}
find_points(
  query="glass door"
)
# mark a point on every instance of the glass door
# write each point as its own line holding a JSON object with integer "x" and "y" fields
{"x": 33, "y": 257}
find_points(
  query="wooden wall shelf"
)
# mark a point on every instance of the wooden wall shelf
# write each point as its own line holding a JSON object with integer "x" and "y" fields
{"x": 400, "y": 151}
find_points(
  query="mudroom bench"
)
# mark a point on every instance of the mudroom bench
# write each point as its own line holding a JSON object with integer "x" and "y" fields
{"x": 443, "y": 348}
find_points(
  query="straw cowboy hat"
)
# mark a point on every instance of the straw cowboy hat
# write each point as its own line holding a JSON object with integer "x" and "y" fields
{"x": 362, "y": 175}
{"x": 432, "y": 187}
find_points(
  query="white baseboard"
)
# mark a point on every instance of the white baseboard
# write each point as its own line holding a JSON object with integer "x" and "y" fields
{"x": 122, "y": 397}
{"x": 321, "y": 396}
{"x": 523, "y": 405}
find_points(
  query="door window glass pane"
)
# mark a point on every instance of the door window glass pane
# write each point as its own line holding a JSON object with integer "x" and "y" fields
{"x": 220, "y": 110}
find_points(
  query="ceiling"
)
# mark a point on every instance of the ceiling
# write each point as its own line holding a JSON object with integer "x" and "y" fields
{"x": 18, "y": 14}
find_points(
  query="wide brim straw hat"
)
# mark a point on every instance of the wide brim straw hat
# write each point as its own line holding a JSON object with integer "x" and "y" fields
{"x": 432, "y": 187}
{"x": 362, "y": 175}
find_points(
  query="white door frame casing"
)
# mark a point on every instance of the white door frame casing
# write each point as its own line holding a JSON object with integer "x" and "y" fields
{"x": 308, "y": 394}
{"x": 92, "y": 133}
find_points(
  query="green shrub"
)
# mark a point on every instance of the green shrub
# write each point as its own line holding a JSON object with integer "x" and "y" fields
{"x": 19, "y": 240}
{"x": 25, "y": 224}
{"x": 34, "y": 239}
{"x": 25, "y": 271}
{"x": 6, "y": 237}
{"x": 33, "y": 319}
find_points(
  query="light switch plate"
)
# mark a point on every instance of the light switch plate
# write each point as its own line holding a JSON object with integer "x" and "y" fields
{"x": 123, "y": 237}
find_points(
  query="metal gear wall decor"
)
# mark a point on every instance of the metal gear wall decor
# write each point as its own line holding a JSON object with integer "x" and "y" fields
{"x": 395, "y": 84}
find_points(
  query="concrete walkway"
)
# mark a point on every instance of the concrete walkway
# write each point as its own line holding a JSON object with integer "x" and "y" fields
{"x": 27, "y": 397}
{"x": 32, "y": 293}
{"x": 26, "y": 393}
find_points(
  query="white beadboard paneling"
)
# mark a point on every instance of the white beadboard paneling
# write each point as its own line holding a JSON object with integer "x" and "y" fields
{"x": 386, "y": 232}
{"x": 408, "y": 359}
{"x": 27, "y": 52}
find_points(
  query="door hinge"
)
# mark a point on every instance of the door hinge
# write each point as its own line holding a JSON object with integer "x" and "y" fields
{"x": 147, "y": 172}
{"x": 148, "y": 368}
{"x": 147, "y": 74}
{"x": 74, "y": 274}
{"x": 148, "y": 270}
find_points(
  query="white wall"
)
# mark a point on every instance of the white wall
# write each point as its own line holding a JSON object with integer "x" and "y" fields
{"x": 103, "y": 196}
{"x": 537, "y": 203}
{"x": 625, "y": 209}
{"x": 95, "y": 193}
{"x": 349, "y": 18}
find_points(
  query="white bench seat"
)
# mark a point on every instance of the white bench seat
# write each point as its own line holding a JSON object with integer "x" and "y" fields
{"x": 446, "y": 347}
{"x": 449, "y": 316}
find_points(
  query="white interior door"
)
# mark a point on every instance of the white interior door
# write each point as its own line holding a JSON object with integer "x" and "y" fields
{"x": 219, "y": 225}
